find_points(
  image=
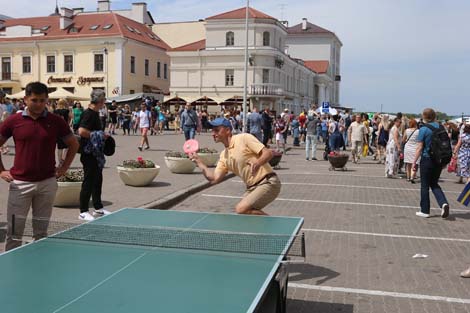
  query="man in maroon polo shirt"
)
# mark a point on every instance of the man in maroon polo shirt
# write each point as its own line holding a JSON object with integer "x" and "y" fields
{"x": 33, "y": 175}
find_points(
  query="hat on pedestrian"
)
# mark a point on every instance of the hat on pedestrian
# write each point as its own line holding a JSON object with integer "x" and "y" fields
{"x": 220, "y": 121}
{"x": 109, "y": 146}
{"x": 286, "y": 110}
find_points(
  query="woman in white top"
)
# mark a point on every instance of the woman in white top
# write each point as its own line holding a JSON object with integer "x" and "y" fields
{"x": 393, "y": 150}
{"x": 411, "y": 134}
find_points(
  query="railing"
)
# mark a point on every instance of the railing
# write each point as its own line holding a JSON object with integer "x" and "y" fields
{"x": 266, "y": 90}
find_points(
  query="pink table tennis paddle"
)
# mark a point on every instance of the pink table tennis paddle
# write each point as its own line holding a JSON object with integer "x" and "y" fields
{"x": 191, "y": 146}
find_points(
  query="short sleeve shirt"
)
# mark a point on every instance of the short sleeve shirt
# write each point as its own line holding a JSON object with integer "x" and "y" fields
{"x": 424, "y": 136}
{"x": 91, "y": 121}
{"x": 242, "y": 148}
{"x": 35, "y": 143}
{"x": 144, "y": 119}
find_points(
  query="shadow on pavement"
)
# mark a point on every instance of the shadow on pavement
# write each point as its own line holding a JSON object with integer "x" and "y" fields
{"x": 159, "y": 184}
{"x": 294, "y": 305}
{"x": 309, "y": 271}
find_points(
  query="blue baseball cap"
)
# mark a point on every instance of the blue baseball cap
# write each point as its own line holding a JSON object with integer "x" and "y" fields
{"x": 220, "y": 121}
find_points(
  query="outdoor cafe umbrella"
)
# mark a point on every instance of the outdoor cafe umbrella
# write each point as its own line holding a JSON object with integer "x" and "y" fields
{"x": 61, "y": 93}
{"x": 18, "y": 95}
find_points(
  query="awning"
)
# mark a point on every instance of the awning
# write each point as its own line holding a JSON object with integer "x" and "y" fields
{"x": 135, "y": 97}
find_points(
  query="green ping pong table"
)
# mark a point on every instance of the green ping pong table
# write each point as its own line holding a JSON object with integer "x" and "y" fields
{"x": 62, "y": 274}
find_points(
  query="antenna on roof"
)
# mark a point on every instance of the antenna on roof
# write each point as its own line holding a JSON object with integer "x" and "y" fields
{"x": 282, "y": 6}
{"x": 56, "y": 7}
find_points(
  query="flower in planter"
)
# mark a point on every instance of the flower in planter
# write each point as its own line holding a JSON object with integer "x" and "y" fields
{"x": 139, "y": 163}
{"x": 176, "y": 154}
{"x": 337, "y": 154}
{"x": 72, "y": 176}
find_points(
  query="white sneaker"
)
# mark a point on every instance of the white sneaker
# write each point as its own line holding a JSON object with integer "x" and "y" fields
{"x": 445, "y": 210}
{"x": 421, "y": 214}
{"x": 86, "y": 216}
{"x": 101, "y": 212}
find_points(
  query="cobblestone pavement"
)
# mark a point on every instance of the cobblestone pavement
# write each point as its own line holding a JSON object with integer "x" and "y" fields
{"x": 362, "y": 233}
{"x": 360, "y": 228}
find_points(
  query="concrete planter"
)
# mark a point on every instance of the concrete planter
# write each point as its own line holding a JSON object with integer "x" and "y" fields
{"x": 138, "y": 177}
{"x": 209, "y": 159}
{"x": 68, "y": 194}
{"x": 180, "y": 165}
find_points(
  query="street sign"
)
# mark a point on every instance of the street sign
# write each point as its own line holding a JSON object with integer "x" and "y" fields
{"x": 325, "y": 107}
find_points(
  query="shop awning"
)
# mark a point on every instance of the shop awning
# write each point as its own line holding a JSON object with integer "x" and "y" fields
{"x": 61, "y": 93}
{"x": 18, "y": 95}
{"x": 135, "y": 97}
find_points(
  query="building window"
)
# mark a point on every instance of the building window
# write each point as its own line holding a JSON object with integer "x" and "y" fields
{"x": 26, "y": 64}
{"x": 159, "y": 68}
{"x": 132, "y": 91}
{"x": 165, "y": 71}
{"x": 266, "y": 38}
{"x": 6, "y": 68}
{"x": 51, "y": 63}
{"x": 265, "y": 76}
{"x": 229, "y": 77}
{"x": 68, "y": 63}
{"x": 280, "y": 44}
{"x": 229, "y": 39}
{"x": 99, "y": 62}
{"x": 146, "y": 67}
{"x": 132, "y": 64}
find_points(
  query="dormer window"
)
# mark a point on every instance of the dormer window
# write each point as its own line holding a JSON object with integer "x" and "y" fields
{"x": 129, "y": 28}
{"x": 229, "y": 39}
{"x": 108, "y": 26}
{"x": 94, "y": 27}
{"x": 44, "y": 28}
{"x": 74, "y": 30}
{"x": 266, "y": 39}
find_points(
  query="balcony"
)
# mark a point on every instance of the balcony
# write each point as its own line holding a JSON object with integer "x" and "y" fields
{"x": 9, "y": 76}
{"x": 266, "y": 90}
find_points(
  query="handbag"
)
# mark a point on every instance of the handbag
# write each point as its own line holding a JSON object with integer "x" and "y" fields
{"x": 452, "y": 167}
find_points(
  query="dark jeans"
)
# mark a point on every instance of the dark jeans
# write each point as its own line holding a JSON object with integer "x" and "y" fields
{"x": 430, "y": 174}
{"x": 267, "y": 134}
{"x": 189, "y": 132}
{"x": 92, "y": 183}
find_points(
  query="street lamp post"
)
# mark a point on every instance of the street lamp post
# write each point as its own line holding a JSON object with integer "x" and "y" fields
{"x": 105, "y": 50}
{"x": 245, "y": 84}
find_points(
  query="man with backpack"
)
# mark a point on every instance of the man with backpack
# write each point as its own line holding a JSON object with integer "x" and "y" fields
{"x": 435, "y": 151}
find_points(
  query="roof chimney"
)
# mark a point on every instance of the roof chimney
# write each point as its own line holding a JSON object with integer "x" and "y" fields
{"x": 304, "y": 23}
{"x": 139, "y": 11}
{"x": 77, "y": 11}
{"x": 285, "y": 23}
{"x": 104, "y": 5}
{"x": 66, "y": 15}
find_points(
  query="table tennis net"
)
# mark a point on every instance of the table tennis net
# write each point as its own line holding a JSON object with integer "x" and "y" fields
{"x": 162, "y": 237}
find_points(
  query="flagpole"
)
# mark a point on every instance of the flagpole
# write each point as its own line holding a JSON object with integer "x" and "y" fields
{"x": 245, "y": 85}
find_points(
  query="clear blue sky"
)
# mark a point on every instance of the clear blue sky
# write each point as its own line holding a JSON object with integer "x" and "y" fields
{"x": 403, "y": 54}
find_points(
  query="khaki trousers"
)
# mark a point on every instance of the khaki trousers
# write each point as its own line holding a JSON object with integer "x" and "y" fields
{"x": 21, "y": 197}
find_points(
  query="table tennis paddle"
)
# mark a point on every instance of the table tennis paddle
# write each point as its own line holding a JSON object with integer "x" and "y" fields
{"x": 191, "y": 146}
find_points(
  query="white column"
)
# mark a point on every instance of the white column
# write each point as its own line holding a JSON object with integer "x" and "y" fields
{"x": 321, "y": 94}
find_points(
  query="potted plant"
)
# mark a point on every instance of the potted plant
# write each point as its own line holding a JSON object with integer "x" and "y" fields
{"x": 138, "y": 172}
{"x": 179, "y": 163}
{"x": 208, "y": 156}
{"x": 68, "y": 191}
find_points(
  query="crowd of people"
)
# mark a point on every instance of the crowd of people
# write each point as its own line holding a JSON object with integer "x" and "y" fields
{"x": 406, "y": 146}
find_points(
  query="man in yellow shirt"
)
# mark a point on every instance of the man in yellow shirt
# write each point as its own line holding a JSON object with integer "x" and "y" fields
{"x": 247, "y": 158}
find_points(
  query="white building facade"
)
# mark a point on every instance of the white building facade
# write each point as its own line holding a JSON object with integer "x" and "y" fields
{"x": 213, "y": 68}
{"x": 321, "y": 50}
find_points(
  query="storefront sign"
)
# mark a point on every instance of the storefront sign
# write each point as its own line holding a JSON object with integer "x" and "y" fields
{"x": 88, "y": 80}
{"x": 53, "y": 79}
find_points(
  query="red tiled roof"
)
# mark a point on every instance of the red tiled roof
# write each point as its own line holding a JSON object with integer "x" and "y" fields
{"x": 194, "y": 46}
{"x": 83, "y": 22}
{"x": 240, "y": 14}
{"x": 311, "y": 29}
{"x": 319, "y": 67}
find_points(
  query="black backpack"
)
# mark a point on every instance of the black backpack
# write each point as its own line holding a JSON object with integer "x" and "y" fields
{"x": 441, "y": 148}
{"x": 347, "y": 121}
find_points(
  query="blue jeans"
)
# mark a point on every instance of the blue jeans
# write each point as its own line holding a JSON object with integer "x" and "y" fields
{"x": 189, "y": 132}
{"x": 345, "y": 137}
{"x": 311, "y": 141}
{"x": 430, "y": 174}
